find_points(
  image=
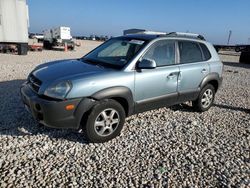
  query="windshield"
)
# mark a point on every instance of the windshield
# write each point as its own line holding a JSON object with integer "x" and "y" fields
{"x": 115, "y": 52}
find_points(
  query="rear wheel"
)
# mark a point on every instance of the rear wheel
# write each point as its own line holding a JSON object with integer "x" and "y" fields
{"x": 205, "y": 99}
{"x": 104, "y": 122}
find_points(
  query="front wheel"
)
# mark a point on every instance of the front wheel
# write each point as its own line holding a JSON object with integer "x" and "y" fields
{"x": 205, "y": 99}
{"x": 104, "y": 122}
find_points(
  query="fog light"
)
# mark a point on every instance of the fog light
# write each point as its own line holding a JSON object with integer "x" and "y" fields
{"x": 70, "y": 107}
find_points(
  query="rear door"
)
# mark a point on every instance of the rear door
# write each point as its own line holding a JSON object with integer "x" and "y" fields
{"x": 193, "y": 69}
{"x": 157, "y": 87}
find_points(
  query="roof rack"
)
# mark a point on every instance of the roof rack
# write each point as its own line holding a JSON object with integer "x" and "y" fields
{"x": 188, "y": 35}
{"x": 174, "y": 34}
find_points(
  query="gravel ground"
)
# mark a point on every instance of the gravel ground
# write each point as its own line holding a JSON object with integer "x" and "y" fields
{"x": 168, "y": 147}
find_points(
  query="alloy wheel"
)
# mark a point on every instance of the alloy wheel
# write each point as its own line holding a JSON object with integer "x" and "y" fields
{"x": 107, "y": 122}
{"x": 207, "y": 98}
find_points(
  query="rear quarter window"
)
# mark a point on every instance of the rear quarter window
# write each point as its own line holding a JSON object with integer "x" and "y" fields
{"x": 206, "y": 52}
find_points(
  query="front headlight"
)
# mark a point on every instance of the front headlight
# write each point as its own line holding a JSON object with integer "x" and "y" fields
{"x": 59, "y": 90}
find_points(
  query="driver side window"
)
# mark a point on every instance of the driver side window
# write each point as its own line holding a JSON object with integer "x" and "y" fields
{"x": 162, "y": 52}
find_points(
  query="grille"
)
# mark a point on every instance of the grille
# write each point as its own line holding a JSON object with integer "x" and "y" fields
{"x": 34, "y": 83}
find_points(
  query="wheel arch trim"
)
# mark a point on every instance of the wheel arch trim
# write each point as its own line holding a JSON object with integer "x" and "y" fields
{"x": 117, "y": 92}
{"x": 209, "y": 78}
{"x": 109, "y": 93}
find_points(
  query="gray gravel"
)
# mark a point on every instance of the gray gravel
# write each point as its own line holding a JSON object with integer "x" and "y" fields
{"x": 168, "y": 147}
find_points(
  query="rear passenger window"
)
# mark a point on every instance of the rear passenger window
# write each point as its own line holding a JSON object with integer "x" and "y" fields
{"x": 162, "y": 52}
{"x": 190, "y": 52}
{"x": 206, "y": 52}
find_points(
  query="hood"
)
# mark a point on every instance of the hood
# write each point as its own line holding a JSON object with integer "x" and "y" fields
{"x": 65, "y": 68}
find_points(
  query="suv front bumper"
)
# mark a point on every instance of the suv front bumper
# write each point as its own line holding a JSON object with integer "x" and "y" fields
{"x": 51, "y": 113}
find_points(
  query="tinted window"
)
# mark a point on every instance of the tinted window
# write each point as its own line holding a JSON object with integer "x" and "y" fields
{"x": 163, "y": 52}
{"x": 206, "y": 52}
{"x": 189, "y": 52}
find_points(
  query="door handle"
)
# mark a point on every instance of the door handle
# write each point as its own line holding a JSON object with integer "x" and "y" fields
{"x": 172, "y": 75}
{"x": 204, "y": 71}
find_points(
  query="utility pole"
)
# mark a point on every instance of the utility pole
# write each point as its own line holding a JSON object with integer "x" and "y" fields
{"x": 249, "y": 40}
{"x": 229, "y": 37}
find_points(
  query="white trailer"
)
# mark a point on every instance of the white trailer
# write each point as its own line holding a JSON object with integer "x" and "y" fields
{"x": 14, "y": 23}
{"x": 59, "y": 36}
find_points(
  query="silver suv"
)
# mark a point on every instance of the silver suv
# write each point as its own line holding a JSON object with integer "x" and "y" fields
{"x": 123, "y": 76}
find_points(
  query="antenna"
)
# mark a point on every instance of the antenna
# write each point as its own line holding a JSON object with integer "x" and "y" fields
{"x": 229, "y": 37}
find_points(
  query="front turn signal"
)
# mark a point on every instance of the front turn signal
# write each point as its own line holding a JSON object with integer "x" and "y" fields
{"x": 70, "y": 107}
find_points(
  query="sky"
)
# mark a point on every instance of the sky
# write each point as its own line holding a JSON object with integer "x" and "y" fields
{"x": 211, "y": 18}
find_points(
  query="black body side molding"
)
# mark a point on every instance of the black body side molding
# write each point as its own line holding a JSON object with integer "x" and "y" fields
{"x": 156, "y": 102}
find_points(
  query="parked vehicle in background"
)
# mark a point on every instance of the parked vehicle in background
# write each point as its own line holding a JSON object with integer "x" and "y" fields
{"x": 243, "y": 48}
{"x": 81, "y": 37}
{"x": 236, "y": 48}
{"x": 92, "y": 37}
{"x": 98, "y": 38}
{"x": 59, "y": 36}
{"x": 39, "y": 37}
{"x": 14, "y": 23}
{"x": 124, "y": 76}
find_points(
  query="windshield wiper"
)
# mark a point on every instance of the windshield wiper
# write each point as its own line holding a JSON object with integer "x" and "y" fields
{"x": 100, "y": 63}
{"x": 89, "y": 61}
{"x": 92, "y": 62}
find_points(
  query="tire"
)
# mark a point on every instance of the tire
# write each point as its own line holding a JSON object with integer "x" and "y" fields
{"x": 104, "y": 122}
{"x": 205, "y": 99}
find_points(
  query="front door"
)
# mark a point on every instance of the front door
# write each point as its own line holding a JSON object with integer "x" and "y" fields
{"x": 157, "y": 87}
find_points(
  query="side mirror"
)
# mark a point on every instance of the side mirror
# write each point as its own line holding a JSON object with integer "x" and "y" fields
{"x": 147, "y": 64}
